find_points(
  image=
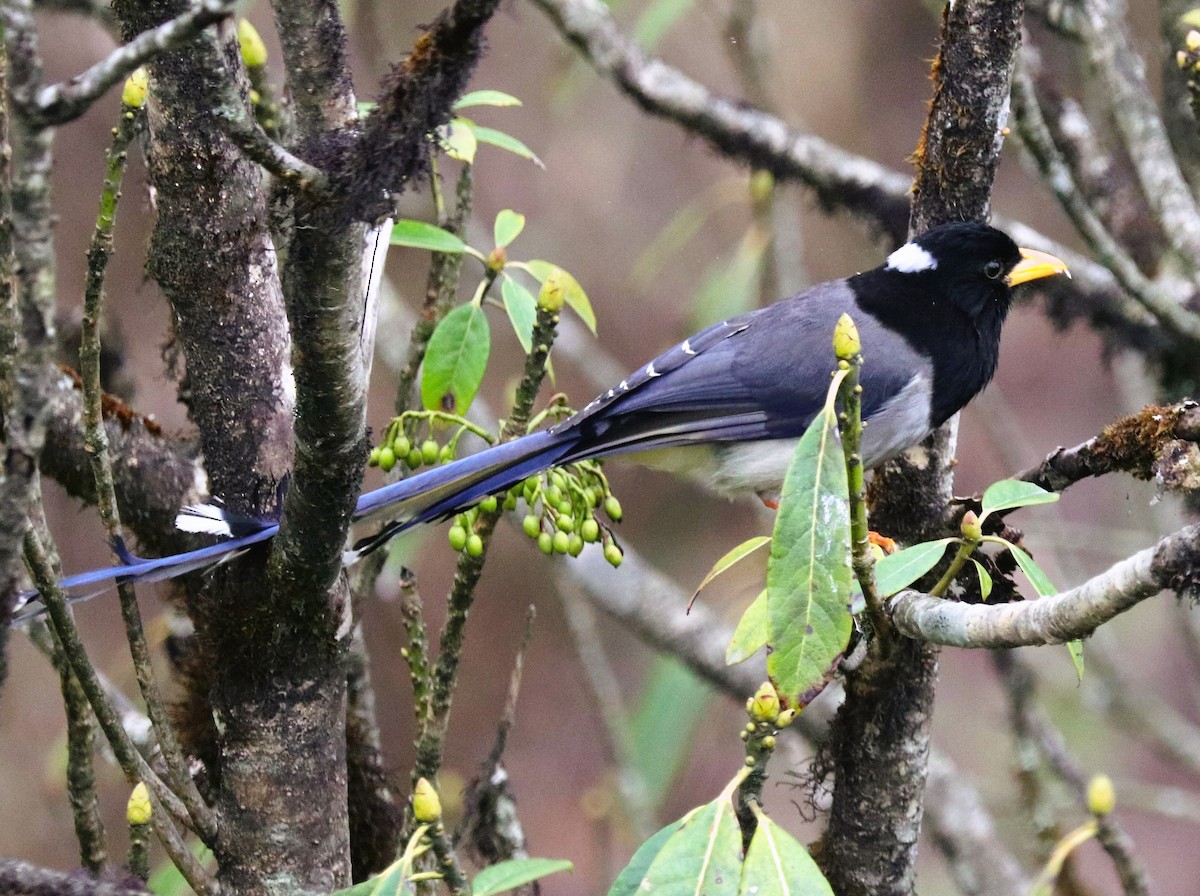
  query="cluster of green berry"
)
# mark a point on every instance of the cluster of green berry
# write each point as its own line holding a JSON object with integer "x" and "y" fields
{"x": 401, "y": 445}
{"x": 562, "y": 505}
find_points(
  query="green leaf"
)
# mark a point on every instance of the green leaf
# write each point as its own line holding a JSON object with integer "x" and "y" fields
{"x": 504, "y": 141}
{"x": 808, "y": 575}
{"x": 389, "y": 882}
{"x": 513, "y": 873}
{"x": 508, "y": 226}
{"x": 423, "y": 235}
{"x": 751, "y": 633}
{"x": 631, "y": 877}
{"x": 899, "y": 570}
{"x": 458, "y": 140}
{"x": 778, "y": 865}
{"x": 702, "y": 855}
{"x": 1009, "y": 493}
{"x": 672, "y": 704}
{"x": 456, "y": 359}
{"x": 732, "y": 558}
{"x": 486, "y": 98}
{"x": 985, "y": 580}
{"x": 1045, "y": 588}
{"x": 660, "y": 16}
{"x": 521, "y": 307}
{"x": 573, "y": 293}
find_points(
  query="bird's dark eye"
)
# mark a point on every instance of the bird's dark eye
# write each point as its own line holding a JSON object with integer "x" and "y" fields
{"x": 993, "y": 269}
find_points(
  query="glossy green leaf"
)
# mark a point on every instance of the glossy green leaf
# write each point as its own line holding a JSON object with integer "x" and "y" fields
{"x": 423, "y": 235}
{"x": 458, "y": 140}
{"x": 521, "y": 306}
{"x": 778, "y": 865}
{"x": 1010, "y": 493}
{"x": 630, "y": 879}
{"x": 985, "y": 580}
{"x": 732, "y": 557}
{"x": 751, "y": 633}
{"x": 808, "y": 574}
{"x": 513, "y": 873}
{"x": 670, "y": 707}
{"x": 486, "y": 98}
{"x": 573, "y": 293}
{"x": 702, "y": 855}
{"x": 456, "y": 360}
{"x": 392, "y": 881}
{"x": 508, "y": 226}
{"x": 504, "y": 141}
{"x": 899, "y": 570}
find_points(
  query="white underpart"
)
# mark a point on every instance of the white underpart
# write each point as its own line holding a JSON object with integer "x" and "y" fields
{"x": 203, "y": 518}
{"x": 911, "y": 259}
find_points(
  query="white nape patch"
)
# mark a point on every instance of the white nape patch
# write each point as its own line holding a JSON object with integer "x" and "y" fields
{"x": 203, "y": 518}
{"x": 911, "y": 259}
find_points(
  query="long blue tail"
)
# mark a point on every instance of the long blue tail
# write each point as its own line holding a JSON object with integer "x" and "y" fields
{"x": 430, "y": 495}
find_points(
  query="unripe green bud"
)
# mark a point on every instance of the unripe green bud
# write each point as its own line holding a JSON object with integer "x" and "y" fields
{"x": 613, "y": 555}
{"x": 510, "y": 502}
{"x": 785, "y": 718}
{"x": 427, "y": 807}
{"x": 561, "y": 542}
{"x": 254, "y": 51}
{"x": 446, "y": 454}
{"x": 488, "y": 504}
{"x": 768, "y": 742}
{"x": 458, "y": 537}
{"x": 401, "y": 446}
{"x": 574, "y": 544}
{"x": 970, "y": 528}
{"x": 564, "y": 507}
{"x": 373, "y": 457}
{"x": 590, "y": 530}
{"x": 764, "y": 705}
{"x": 429, "y": 451}
{"x": 564, "y": 523}
{"x": 612, "y": 507}
{"x": 546, "y": 543}
{"x": 497, "y": 259}
{"x": 414, "y": 458}
{"x": 552, "y": 294}
{"x": 139, "y": 809}
{"x": 1192, "y": 40}
{"x": 1101, "y": 797}
{"x": 387, "y": 458}
{"x": 137, "y": 85}
{"x": 846, "y": 342}
{"x": 553, "y": 495}
{"x": 475, "y": 545}
{"x": 532, "y": 525}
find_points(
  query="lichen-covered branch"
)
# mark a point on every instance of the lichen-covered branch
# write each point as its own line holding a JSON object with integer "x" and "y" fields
{"x": 1171, "y": 564}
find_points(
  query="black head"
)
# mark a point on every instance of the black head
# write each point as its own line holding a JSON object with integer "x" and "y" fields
{"x": 947, "y": 292}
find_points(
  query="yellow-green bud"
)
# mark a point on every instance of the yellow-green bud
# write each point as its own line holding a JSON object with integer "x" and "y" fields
{"x": 475, "y": 545}
{"x": 254, "y": 51}
{"x": 429, "y": 451}
{"x": 138, "y": 810}
{"x": 590, "y": 530}
{"x": 561, "y": 541}
{"x": 764, "y": 705}
{"x": 612, "y": 507}
{"x": 387, "y": 458}
{"x": 137, "y": 85}
{"x": 970, "y": 528}
{"x": 497, "y": 259}
{"x": 546, "y": 543}
{"x": 1101, "y": 797}
{"x": 427, "y": 807}
{"x": 488, "y": 504}
{"x": 762, "y": 182}
{"x": 613, "y": 555}
{"x": 785, "y": 718}
{"x": 846, "y": 344}
{"x": 458, "y": 537}
{"x": 768, "y": 742}
{"x": 552, "y": 294}
{"x": 1192, "y": 40}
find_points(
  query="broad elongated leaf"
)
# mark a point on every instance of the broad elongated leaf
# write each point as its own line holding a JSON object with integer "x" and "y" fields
{"x": 521, "y": 307}
{"x": 751, "y": 633}
{"x": 508, "y": 875}
{"x": 808, "y": 575}
{"x": 456, "y": 360}
{"x": 573, "y": 293}
{"x": 486, "y": 98}
{"x": 458, "y": 141}
{"x": 423, "y": 235}
{"x": 899, "y": 570}
{"x": 778, "y": 865}
{"x": 508, "y": 226}
{"x": 504, "y": 141}
{"x": 630, "y": 879}
{"x": 985, "y": 580}
{"x": 701, "y": 855}
{"x": 1009, "y": 493}
{"x": 732, "y": 557}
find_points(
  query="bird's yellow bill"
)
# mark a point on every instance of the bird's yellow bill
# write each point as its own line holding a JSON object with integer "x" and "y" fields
{"x": 1035, "y": 265}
